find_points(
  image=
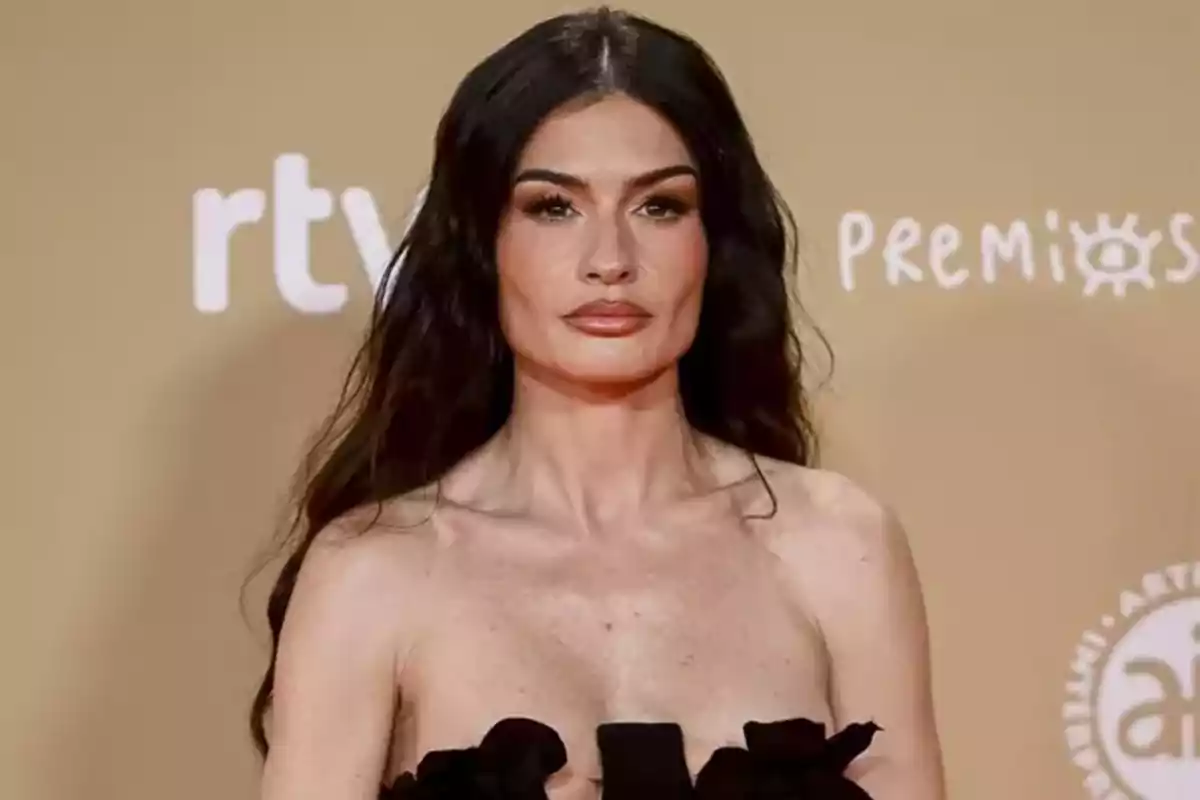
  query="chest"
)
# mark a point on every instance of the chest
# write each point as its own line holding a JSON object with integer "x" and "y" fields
{"x": 696, "y": 628}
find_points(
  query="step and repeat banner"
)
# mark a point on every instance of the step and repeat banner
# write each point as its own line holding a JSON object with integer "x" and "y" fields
{"x": 998, "y": 204}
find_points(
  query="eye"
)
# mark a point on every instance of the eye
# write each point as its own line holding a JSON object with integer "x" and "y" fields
{"x": 665, "y": 207}
{"x": 553, "y": 207}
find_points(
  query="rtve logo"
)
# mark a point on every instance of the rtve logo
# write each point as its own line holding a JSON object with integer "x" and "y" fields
{"x": 294, "y": 206}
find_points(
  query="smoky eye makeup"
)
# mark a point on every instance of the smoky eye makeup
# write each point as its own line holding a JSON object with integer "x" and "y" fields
{"x": 550, "y": 199}
{"x": 549, "y": 204}
{"x": 659, "y": 205}
{"x": 667, "y": 205}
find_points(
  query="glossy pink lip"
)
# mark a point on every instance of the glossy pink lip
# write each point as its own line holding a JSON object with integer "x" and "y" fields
{"x": 609, "y": 318}
{"x": 609, "y": 308}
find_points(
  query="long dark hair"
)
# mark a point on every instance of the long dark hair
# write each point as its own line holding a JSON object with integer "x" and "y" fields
{"x": 433, "y": 379}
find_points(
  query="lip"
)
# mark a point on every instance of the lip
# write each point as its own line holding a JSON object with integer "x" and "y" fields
{"x": 609, "y": 318}
{"x": 609, "y": 308}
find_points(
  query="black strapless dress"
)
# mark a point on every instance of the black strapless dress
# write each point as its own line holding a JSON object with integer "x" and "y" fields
{"x": 786, "y": 760}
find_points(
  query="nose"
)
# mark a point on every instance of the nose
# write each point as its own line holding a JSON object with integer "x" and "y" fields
{"x": 609, "y": 274}
{"x": 610, "y": 259}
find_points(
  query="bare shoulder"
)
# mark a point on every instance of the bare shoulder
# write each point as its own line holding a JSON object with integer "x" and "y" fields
{"x": 848, "y": 558}
{"x": 359, "y": 604}
{"x": 364, "y": 564}
{"x": 844, "y": 551}
{"x": 824, "y": 511}
{"x": 395, "y": 537}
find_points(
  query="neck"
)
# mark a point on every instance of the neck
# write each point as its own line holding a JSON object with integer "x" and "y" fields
{"x": 598, "y": 455}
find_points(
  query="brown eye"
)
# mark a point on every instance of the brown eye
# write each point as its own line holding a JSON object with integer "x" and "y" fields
{"x": 665, "y": 207}
{"x": 550, "y": 207}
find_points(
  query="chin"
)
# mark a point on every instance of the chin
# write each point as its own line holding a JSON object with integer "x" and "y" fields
{"x": 612, "y": 363}
{"x": 612, "y": 369}
{"x": 584, "y": 371}
{"x": 615, "y": 378}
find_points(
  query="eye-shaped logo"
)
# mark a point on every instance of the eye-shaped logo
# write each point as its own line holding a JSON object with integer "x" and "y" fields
{"x": 1133, "y": 710}
{"x": 1113, "y": 246}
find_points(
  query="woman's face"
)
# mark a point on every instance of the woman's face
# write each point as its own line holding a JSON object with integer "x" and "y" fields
{"x": 604, "y": 210}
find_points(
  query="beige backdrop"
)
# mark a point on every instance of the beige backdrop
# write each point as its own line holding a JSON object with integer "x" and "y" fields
{"x": 1033, "y": 418}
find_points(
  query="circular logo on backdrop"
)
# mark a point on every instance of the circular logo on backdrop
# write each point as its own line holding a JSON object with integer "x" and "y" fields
{"x": 1133, "y": 710}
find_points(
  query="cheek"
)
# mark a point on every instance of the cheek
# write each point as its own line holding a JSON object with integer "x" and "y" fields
{"x": 529, "y": 270}
{"x": 684, "y": 255}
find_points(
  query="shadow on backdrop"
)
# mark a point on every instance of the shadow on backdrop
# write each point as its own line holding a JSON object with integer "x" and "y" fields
{"x": 170, "y": 682}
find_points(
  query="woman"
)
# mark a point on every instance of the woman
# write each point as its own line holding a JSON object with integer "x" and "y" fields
{"x": 569, "y": 538}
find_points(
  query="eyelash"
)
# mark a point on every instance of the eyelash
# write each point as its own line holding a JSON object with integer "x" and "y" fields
{"x": 548, "y": 207}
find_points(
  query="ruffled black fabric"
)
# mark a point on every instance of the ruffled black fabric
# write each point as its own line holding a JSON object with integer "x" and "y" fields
{"x": 512, "y": 762}
{"x": 787, "y": 760}
{"x": 643, "y": 760}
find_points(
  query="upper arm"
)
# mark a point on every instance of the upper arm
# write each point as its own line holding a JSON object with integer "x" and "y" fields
{"x": 868, "y": 603}
{"x": 334, "y": 684}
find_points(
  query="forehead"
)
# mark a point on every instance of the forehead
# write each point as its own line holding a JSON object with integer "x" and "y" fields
{"x": 615, "y": 133}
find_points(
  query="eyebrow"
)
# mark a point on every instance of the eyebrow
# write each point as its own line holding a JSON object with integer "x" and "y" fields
{"x": 575, "y": 182}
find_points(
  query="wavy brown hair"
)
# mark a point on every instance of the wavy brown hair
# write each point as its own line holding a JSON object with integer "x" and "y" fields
{"x": 433, "y": 378}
